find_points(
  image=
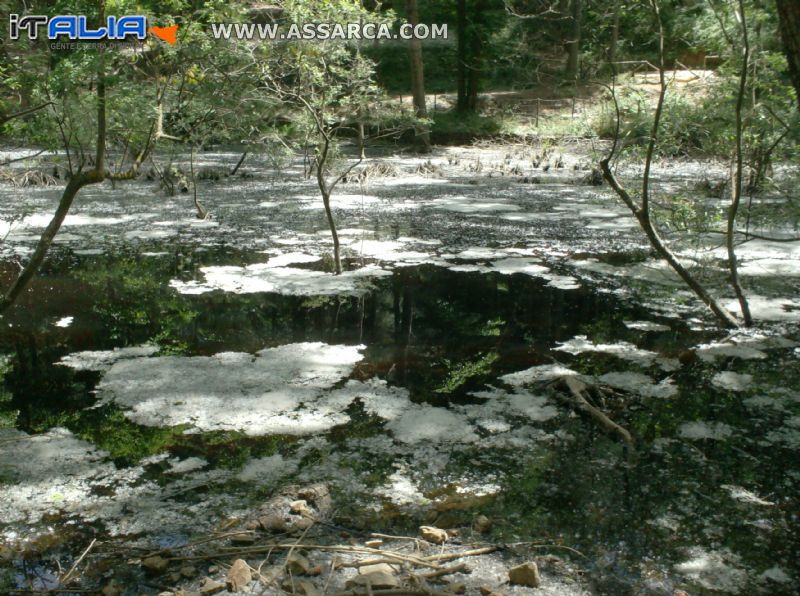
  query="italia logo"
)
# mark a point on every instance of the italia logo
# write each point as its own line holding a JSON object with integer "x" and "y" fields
{"x": 75, "y": 27}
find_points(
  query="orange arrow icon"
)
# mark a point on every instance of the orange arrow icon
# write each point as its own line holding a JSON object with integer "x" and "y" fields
{"x": 168, "y": 34}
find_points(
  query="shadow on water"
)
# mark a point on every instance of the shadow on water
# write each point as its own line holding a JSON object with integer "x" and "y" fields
{"x": 442, "y": 335}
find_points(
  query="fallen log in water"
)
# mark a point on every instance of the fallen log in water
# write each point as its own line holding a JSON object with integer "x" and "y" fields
{"x": 575, "y": 392}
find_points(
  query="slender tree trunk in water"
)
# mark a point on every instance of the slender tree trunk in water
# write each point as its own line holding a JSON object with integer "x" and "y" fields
{"x": 76, "y": 182}
{"x": 238, "y": 164}
{"x": 736, "y": 187}
{"x": 361, "y": 140}
{"x": 642, "y": 211}
{"x": 418, "y": 76}
{"x": 574, "y": 41}
{"x": 325, "y": 191}
{"x": 789, "y": 19}
{"x": 337, "y": 262}
{"x": 202, "y": 212}
{"x": 461, "y": 55}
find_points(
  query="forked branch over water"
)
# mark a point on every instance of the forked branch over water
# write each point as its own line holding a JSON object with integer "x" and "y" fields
{"x": 641, "y": 210}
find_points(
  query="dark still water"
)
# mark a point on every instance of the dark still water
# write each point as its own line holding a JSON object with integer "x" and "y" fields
{"x": 430, "y": 397}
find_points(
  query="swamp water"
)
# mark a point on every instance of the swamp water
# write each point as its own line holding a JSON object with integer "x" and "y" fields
{"x": 165, "y": 375}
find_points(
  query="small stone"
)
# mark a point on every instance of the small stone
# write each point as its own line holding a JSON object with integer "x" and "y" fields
{"x": 300, "y": 586}
{"x": 298, "y": 564}
{"x": 210, "y": 586}
{"x": 243, "y": 539}
{"x": 213, "y": 568}
{"x": 112, "y": 588}
{"x": 300, "y": 508}
{"x": 373, "y": 543}
{"x": 482, "y": 524}
{"x": 458, "y": 588}
{"x": 378, "y": 581}
{"x": 526, "y": 574}
{"x": 432, "y": 534}
{"x": 377, "y": 568}
{"x": 272, "y": 523}
{"x": 302, "y": 523}
{"x": 239, "y": 576}
{"x": 155, "y": 565}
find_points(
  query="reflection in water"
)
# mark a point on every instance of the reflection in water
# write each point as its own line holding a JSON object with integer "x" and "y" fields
{"x": 445, "y": 337}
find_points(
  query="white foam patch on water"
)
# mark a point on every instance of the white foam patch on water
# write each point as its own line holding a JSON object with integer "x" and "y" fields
{"x": 56, "y": 472}
{"x": 732, "y": 381}
{"x": 290, "y": 258}
{"x": 428, "y": 424}
{"x": 263, "y": 277}
{"x": 713, "y": 570}
{"x": 149, "y": 234}
{"x": 190, "y": 464}
{"x": 346, "y": 201}
{"x": 267, "y": 470}
{"x": 767, "y": 308}
{"x": 646, "y": 326}
{"x": 377, "y": 397}
{"x": 463, "y": 204}
{"x": 511, "y": 266}
{"x": 401, "y": 488}
{"x": 279, "y": 390}
{"x": 760, "y": 258}
{"x": 712, "y": 351}
{"x": 698, "y": 430}
{"x": 654, "y": 271}
{"x": 388, "y": 250}
{"x": 500, "y": 407}
{"x": 777, "y": 575}
{"x": 640, "y": 383}
{"x": 580, "y": 344}
{"x": 534, "y": 407}
{"x": 64, "y": 322}
{"x": 101, "y": 360}
{"x": 546, "y": 372}
{"x": 41, "y": 220}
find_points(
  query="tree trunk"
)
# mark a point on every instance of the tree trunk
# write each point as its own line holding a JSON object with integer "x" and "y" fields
{"x": 238, "y": 164}
{"x": 325, "y": 190}
{"x": 417, "y": 76}
{"x": 461, "y": 55}
{"x": 789, "y": 18}
{"x": 736, "y": 188}
{"x": 475, "y": 65}
{"x": 76, "y": 182}
{"x": 574, "y": 41}
{"x": 612, "y": 50}
{"x": 337, "y": 261}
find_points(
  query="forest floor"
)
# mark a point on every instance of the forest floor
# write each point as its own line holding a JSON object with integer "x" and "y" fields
{"x": 569, "y": 109}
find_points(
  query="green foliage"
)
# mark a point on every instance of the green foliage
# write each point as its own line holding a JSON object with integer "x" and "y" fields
{"x": 459, "y": 374}
{"x": 450, "y": 123}
{"x": 149, "y": 305}
{"x": 8, "y": 415}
